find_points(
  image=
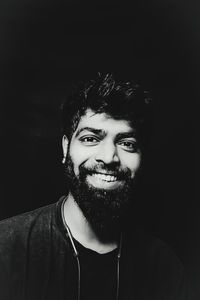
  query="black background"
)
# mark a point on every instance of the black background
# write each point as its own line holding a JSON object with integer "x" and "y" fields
{"x": 47, "y": 45}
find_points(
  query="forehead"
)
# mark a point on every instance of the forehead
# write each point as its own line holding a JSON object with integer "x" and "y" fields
{"x": 105, "y": 122}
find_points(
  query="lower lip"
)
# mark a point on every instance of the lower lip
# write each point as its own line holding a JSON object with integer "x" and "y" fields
{"x": 103, "y": 184}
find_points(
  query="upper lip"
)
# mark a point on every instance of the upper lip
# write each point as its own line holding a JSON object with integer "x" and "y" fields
{"x": 106, "y": 173}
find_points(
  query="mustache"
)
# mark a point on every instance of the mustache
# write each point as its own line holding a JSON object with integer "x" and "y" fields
{"x": 108, "y": 170}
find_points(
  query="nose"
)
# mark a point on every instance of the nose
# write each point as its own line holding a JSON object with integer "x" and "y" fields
{"x": 107, "y": 153}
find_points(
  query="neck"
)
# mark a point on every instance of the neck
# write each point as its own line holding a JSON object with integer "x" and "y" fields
{"x": 82, "y": 230}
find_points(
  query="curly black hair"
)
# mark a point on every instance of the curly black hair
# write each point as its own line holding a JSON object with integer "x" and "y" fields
{"x": 120, "y": 100}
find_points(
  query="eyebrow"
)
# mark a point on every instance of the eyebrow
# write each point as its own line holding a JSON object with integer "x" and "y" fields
{"x": 131, "y": 134}
{"x": 123, "y": 135}
{"x": 94, "y": 130}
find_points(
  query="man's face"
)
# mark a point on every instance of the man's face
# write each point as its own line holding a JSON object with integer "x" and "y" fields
{"x": 102, "y": 160}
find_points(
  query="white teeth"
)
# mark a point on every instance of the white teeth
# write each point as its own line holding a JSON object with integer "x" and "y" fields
{"x": 105, "y": 177}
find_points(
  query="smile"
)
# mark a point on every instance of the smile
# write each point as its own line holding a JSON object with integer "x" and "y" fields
{"x": 105, "y": 177}
{"x": 104, "y": 181}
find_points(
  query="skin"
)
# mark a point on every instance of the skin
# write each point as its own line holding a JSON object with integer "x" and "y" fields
{"x": 99, "y": 139}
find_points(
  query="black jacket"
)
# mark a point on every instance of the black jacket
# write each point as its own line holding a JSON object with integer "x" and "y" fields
{"x": 37, "y": 262}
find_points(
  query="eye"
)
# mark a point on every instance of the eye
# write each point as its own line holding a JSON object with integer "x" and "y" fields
{"x": 89, "y": 140}
{"x": 130, "y": 146}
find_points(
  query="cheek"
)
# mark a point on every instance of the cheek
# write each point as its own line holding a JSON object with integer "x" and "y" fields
{"x": 137, "y": 162}
{"x": 132, "y": 162}
{"x": 79, "y": 156}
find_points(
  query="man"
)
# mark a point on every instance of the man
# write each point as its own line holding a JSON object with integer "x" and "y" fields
{"x": 80, "y": 247}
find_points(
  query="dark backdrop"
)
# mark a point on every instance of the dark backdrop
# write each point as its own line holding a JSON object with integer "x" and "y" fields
{"x": 48, "y": 45}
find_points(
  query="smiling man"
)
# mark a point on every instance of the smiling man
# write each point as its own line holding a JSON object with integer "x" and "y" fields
{"x": 102, "y": 160}
{"x": 80, "y": 247}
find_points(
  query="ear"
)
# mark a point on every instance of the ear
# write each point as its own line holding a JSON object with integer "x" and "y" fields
{"x": 65, "y": 143}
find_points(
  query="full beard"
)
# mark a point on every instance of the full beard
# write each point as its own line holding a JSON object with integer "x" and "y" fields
{"x": 104, "y": 209}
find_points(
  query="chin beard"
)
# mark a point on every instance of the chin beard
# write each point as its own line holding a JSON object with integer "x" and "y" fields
{"x": 103, "y": 209}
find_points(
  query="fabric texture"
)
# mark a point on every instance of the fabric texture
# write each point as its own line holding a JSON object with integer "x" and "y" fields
{"x": 37, "y": 263}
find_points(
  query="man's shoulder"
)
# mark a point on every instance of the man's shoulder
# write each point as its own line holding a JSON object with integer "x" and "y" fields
{"x": 152, "y": 250}
{"x": 140, "y": 239}
{"x": 24, "y": 218}
{"x": 155, "y": 266}
{"x": 19, "y": 227}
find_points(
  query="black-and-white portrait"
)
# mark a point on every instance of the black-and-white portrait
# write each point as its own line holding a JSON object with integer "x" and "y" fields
{"x": 98, "y": 150}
